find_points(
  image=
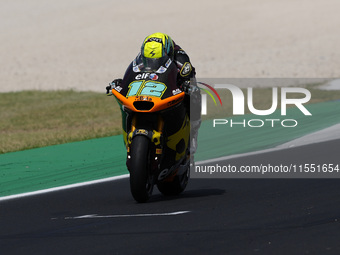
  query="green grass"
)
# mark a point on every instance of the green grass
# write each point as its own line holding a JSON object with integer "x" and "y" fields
{"x": 34, "y": 119}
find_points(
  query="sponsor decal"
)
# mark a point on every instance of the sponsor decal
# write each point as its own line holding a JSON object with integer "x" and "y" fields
{"x": 141, "y": 132}
{"x": 136, "y": 69}
{"x": 142, "y": 76}
{"x": 143, "y": 98}
{"x": 168, "y": 63}
{"x": 153, "y": 53}
{"x": 173, "y": 102}
{"x": 118, "y": 88}
{"x": 162, "y": 69}
{"x": 153, "y": 76}
{"x": 186, "y": 69}
{"x": 176, "y": 91}
{"x": 163, "y": 174}
{"x": 154, "y": 39}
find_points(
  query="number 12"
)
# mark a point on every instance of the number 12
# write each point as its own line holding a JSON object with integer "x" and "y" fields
{"x": 146, "y": 88}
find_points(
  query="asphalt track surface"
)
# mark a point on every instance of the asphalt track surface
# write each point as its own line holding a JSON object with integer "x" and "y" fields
{"x": 213, "y": 216}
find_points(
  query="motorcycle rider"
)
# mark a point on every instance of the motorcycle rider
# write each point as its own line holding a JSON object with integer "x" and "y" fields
{"x": 158, "y": 45}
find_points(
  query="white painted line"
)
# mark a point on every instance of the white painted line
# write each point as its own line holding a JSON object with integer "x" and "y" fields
{"x": 96, "y": 216}
{"x": 71, "y": 186}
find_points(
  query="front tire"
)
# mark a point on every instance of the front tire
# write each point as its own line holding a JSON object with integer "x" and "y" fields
{"x": 141, "y": 181}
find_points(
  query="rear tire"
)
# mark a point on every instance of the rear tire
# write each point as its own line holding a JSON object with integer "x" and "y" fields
{"x": 141, "y": 182}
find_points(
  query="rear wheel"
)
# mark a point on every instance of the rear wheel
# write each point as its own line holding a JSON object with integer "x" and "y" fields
{"x": 141, "y": 181}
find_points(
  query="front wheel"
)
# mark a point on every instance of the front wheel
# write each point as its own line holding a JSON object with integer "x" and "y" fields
{"x": 141, "y": 181}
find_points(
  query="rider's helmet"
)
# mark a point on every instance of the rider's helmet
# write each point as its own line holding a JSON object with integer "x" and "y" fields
{"x": 155, "y": 46}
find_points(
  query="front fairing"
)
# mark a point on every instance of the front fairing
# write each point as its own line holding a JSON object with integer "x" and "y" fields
{"x": 146, "y": 89}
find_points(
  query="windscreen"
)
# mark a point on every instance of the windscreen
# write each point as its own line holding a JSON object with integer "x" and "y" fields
{"x": 153, "y": 64}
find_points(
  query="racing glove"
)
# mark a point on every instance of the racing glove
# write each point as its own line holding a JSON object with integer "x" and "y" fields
{"x": 188, "y": 87}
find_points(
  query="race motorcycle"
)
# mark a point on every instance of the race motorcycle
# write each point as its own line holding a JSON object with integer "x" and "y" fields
{"x": 156, "y": 127}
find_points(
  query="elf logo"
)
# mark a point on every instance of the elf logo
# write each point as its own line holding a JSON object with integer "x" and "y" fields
{"x": 144, "y": 76}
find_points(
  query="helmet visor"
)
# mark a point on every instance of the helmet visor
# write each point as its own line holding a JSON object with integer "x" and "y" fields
{"x": 153, "y": 64}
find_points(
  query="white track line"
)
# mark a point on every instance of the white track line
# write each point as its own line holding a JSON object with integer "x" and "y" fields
{"x": 71, "y": 186}
{"x": 96, "y": 216}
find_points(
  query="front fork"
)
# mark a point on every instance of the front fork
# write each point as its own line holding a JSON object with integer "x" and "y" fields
{"x": 156, "y": 143}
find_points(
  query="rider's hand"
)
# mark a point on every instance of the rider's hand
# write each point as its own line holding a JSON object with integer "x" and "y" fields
{"x": 109, "y": 90}
{"x": 117, "y": 82}
{"x": 188, "y": 88}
